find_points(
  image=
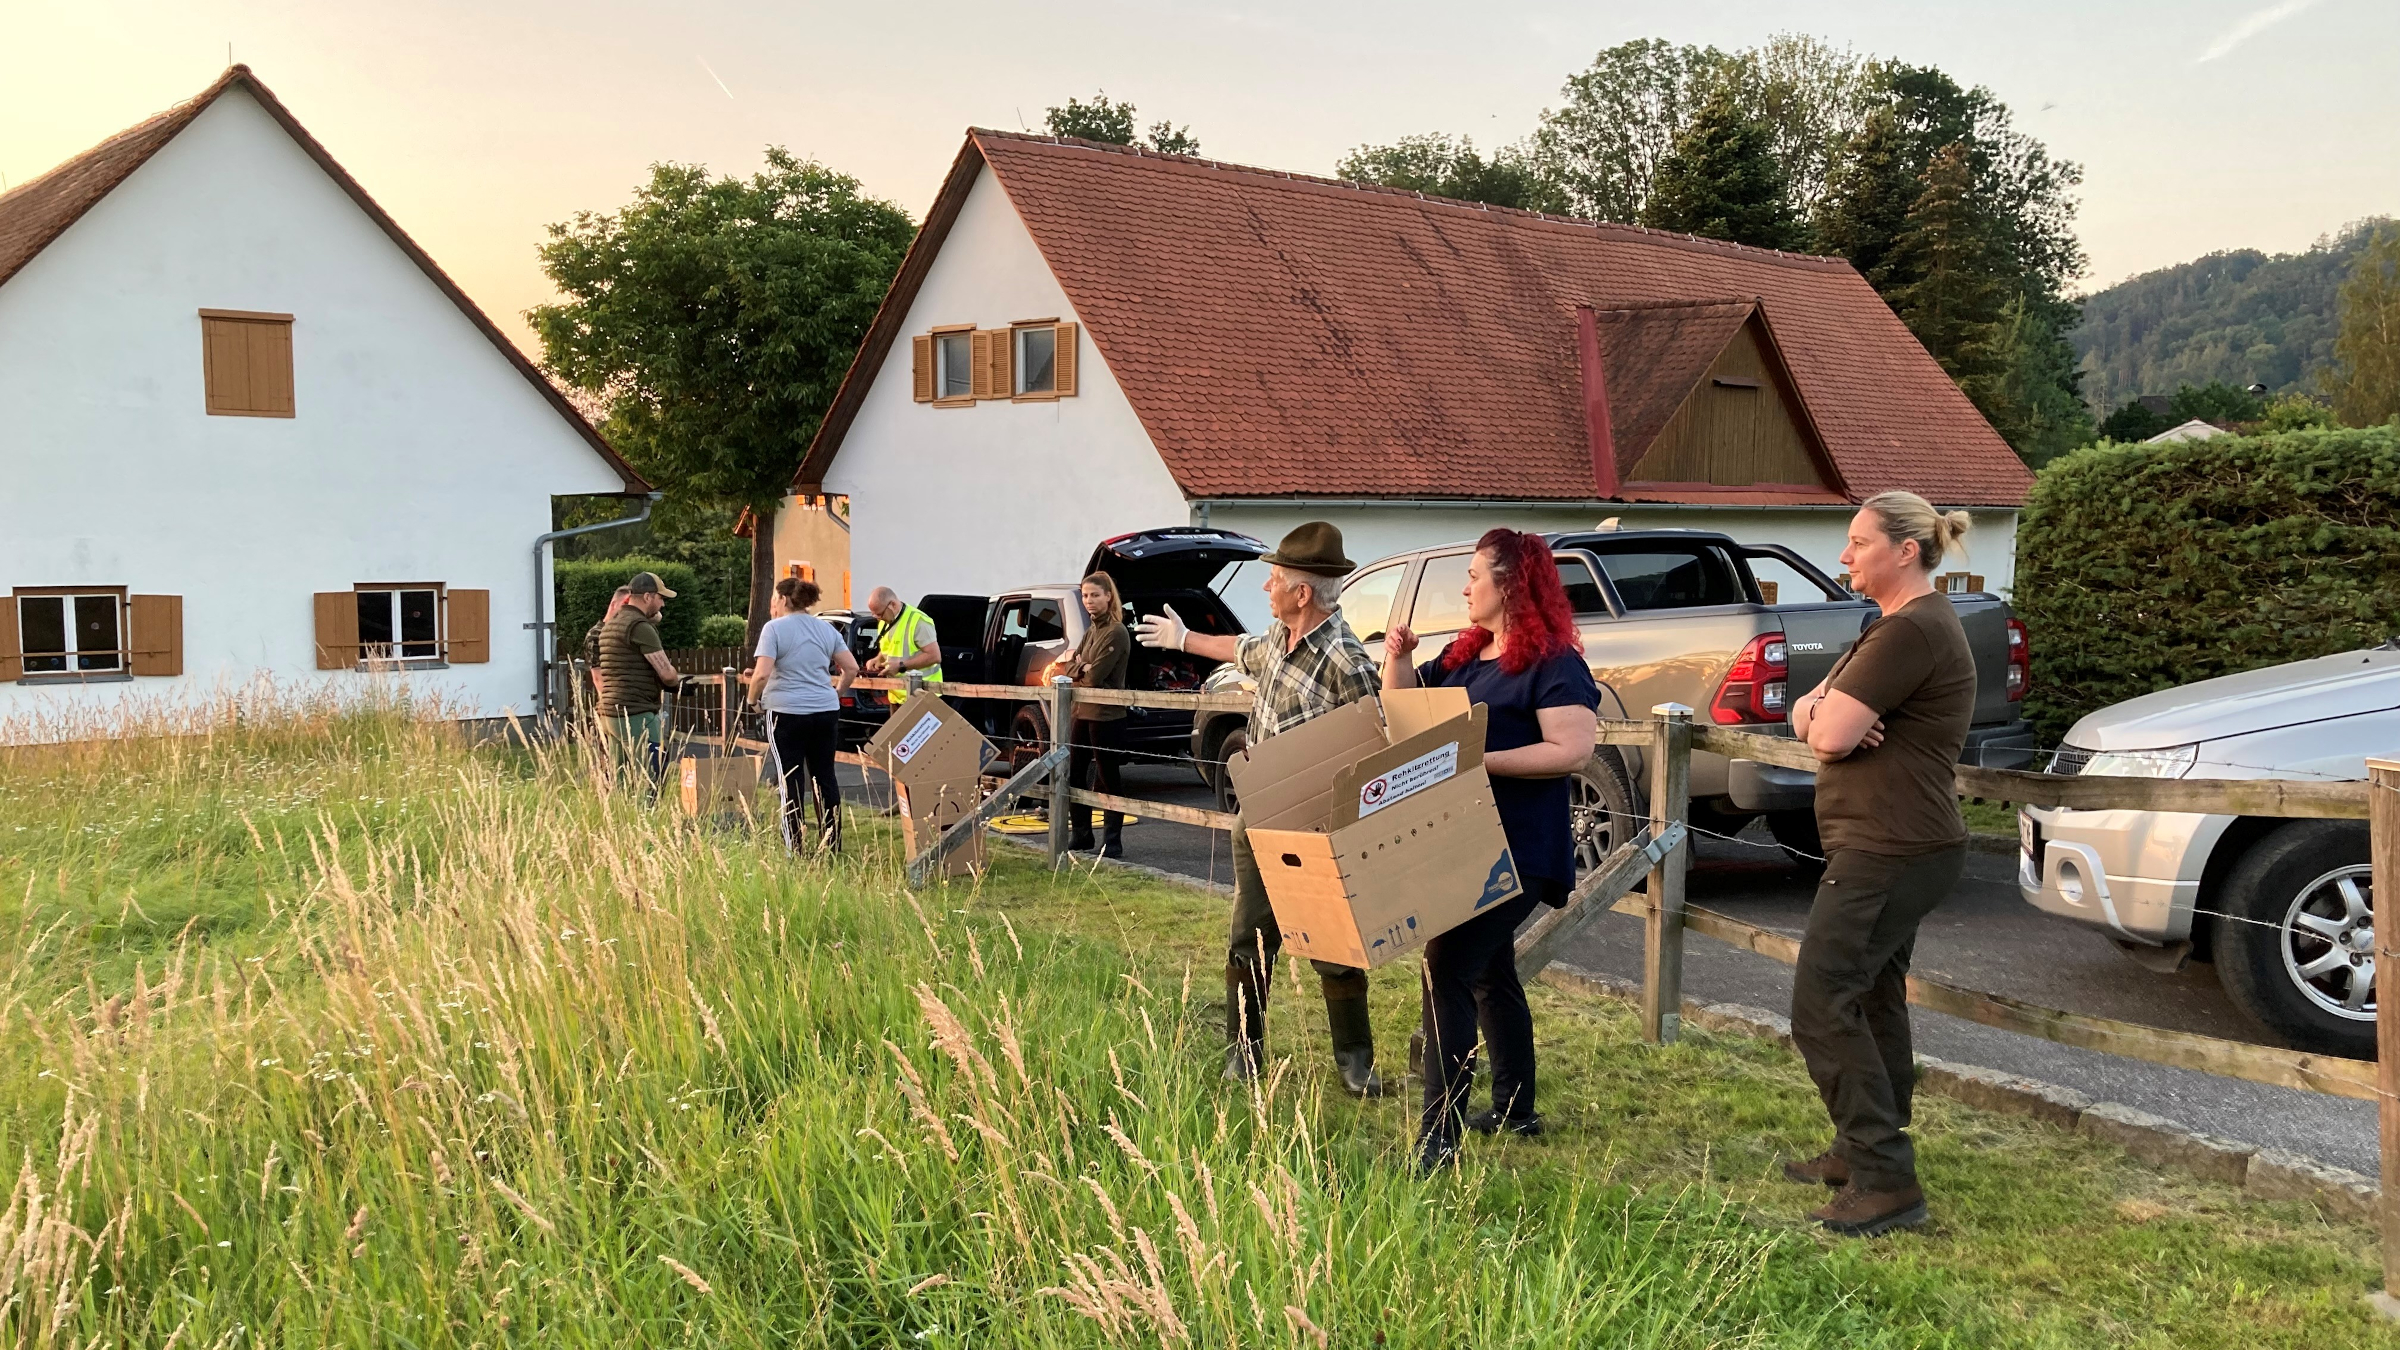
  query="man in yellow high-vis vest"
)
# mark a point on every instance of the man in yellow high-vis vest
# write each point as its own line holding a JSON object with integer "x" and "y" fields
{"x": 908, "y": 644}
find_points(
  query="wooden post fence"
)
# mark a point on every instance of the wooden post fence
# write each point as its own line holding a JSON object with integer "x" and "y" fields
{"x": 1062, "y": 736}
{"x": 2383, "y": 823}
{"x": 1662, "y": 925}
{"x": 729, "y": 703}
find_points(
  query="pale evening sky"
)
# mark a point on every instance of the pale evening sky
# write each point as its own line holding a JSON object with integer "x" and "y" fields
{"x": 2201, "y": 124}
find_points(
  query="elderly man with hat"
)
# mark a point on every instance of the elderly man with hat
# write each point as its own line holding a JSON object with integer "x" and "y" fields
{"x": 635, "y": 672}
{"x": 1305, "y": 665}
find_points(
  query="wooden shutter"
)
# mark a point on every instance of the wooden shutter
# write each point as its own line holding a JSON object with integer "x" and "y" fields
{"x": 246, "y": 363}
{"x": 1004, "y": 363}
{"x": 921, "y": 353}
{"x": 337, "y": 630}
{"x": 470, "y": 627}
{"x": 1064, "y": 380}
{"x": 12, "y": 661}
{"x": 155, "y": 634}
{"x": 979, "y": 364}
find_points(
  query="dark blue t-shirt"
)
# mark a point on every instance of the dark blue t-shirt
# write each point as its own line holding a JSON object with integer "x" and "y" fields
{"x": 1533, "y": 811}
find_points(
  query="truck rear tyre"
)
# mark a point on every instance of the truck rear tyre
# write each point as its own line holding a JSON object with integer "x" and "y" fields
{"x": 1601, "y": 810}
{"x": 1797, "y": 832}
{"x": 1028, "y": 736}
{"x": 2296, "y": 946}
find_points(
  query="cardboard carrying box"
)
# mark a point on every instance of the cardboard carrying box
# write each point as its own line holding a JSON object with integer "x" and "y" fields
{"x": 935, "y": 758}
{"x": 721, "y": 783}
{"x": 1374, "y": 826}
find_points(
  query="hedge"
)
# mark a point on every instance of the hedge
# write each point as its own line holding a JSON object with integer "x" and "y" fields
{"x": 583, "y": 588}
{"x": 2142, "y": 567}
{"x": 723, "y": 630}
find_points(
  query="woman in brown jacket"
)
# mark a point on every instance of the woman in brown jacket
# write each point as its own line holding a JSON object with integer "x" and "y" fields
{"x": 1099, "y": 662}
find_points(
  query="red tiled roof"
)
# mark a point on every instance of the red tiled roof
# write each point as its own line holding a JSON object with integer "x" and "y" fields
{"x": 37, "y": 212}
{"x": 1280, "y": 335}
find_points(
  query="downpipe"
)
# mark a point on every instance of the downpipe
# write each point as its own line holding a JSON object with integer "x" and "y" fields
{"x": 541, "y": 590}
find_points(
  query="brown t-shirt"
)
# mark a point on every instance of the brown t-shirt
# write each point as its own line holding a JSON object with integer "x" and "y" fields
{"x": 1915, "y": 670}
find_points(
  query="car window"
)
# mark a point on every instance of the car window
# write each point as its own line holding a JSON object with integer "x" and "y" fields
{"x": 1367, "y": 600}
{"x": 1043, "y": 623}
{"x": 1012, "y": 619}
{"x": 1674, "y": 578}
{"x": 1583, "y": 589}
{"x": 1441, "y": 595}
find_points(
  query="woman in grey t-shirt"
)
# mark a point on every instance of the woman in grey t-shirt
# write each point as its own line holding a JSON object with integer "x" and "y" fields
{"x": 802, "y": 669}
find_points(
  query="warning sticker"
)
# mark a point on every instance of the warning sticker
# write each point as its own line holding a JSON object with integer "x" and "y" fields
{"x": 907, "y": 747}
{"x": 1415, "y": 776}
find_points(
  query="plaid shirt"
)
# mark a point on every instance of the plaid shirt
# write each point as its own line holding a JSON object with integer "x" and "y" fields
{"x": 1328, "y": 669}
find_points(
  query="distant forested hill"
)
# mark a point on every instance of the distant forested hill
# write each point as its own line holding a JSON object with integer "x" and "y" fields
{"x": 2243, "y": 317}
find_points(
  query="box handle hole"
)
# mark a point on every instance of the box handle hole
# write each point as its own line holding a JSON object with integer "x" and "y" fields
{"x": 1291, "y": 860}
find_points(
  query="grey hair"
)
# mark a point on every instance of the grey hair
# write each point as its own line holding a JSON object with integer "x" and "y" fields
{"x": 1906, "y": 516}
{"x": 1323, "y": 591}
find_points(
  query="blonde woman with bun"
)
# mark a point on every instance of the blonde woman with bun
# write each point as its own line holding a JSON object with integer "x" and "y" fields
{"x": 1887, "y": 726}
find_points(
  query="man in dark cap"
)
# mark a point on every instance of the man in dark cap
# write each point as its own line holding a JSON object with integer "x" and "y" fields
{"x": 1305, "y": 665}
{"x": 634, "y": 671}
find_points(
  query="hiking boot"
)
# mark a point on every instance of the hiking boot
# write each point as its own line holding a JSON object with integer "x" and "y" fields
{"x": 1863, "y": 1213}
{"x": 1353, "y": 1036}
{"x": 1436, "y": 1153}
{"x": 1492, "y": 1122}
{"x": 1826, "y": 1169}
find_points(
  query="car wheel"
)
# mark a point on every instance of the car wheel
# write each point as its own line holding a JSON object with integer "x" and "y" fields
{"x": 2296, "y": 945}
{"x": 1235, "y": 742}
{"x": 1028, "y": 736}
{"x": 1600, "y": 809}
{"x": 1797, "y": 832}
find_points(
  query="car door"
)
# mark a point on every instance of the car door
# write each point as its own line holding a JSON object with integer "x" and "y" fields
{"x": 1367, "y": 602}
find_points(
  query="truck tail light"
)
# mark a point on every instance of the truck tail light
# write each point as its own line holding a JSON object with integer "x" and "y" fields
{"x": 2020, "y": 662}
{"x": 1757, "y": 686}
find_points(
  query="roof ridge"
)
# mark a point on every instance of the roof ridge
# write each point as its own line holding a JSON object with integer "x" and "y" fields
{"x": 1638, "y": 233}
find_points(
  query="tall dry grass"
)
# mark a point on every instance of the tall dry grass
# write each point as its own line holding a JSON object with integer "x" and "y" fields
{"x": 323, "y": 1026}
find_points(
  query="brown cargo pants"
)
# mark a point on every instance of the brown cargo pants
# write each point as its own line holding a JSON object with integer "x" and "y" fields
{"x": 1850, "y": 1002}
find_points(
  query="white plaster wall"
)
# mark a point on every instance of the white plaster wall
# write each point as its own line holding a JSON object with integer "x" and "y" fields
{"x": 1816, "y": 534}
{"x": 998, "y": 494}
{"x": 418, "y": 453}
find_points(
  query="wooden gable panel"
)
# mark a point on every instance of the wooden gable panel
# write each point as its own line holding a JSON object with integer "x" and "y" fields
{"x": 1740, "y": 426}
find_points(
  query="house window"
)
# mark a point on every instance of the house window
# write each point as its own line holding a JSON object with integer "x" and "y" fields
{"x": 1037, "y": 360}
{"x": 71, "y": 632}
{"x": 246, "y": 362}
{"x": 399, "y": 623}
{"x": 954, "y": 355}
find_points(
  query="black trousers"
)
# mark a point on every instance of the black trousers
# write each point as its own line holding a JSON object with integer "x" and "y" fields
{"x": 803, "y": 746}
{"x": 1471, "y": 985}
{"x": 1850, "y": 1002}
{"x": 1096, "y": 758}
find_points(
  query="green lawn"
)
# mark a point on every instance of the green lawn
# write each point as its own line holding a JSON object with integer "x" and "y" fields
{"x": 330, "y": 1029}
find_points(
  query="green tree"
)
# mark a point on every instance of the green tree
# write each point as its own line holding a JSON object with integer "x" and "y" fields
{"x": 716, "y": 318}
{"x": 2031, "y": 396}
{"x": 1111, "y": 122}
{"x": 1868, "y": 194}
{"x": 1603, "y": 145}
{"x": 1722, "y": 180}
{"x": 1953, "y": 301}
{"x": 2218, "y": 402}
{"x": 2365, "y": 382}
{"x": 2133, "y": 422}
{"x": 1449, "y": 166}
{"x": 2296, "y": 412}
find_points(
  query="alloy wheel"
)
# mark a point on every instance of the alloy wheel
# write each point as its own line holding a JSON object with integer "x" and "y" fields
{"x": 2329, "y": 942}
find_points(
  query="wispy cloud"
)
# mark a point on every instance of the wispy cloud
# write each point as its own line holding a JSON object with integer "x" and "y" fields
{"x": 712, "y": 74}
{"x": 2253, "y": 24}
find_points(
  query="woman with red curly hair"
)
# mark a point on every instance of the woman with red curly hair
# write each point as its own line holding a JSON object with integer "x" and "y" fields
{"x": 1523, "y": 660}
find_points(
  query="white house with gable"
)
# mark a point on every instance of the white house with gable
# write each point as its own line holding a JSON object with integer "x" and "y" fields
{"x": 252, "y": 429}
{"x": 1087, "y": 340}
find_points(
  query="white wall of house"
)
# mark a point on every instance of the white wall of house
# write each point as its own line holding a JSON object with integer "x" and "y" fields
{"x": 974, "y": 499}
{"x": 418, "y": 452}
{"x": 1815, "y": 533}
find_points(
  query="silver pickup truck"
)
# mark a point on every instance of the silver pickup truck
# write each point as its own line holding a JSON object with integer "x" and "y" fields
{"x": 1679, "y": 616}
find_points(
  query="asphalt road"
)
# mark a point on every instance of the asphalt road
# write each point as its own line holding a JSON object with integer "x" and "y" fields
{"x": 1984, "y": 937}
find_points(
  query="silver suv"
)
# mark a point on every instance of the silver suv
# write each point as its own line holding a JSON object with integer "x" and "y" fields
{"x": 2285, "y": 908}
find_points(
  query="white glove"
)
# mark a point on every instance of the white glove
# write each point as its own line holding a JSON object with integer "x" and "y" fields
{"x": 1165, "y": 632}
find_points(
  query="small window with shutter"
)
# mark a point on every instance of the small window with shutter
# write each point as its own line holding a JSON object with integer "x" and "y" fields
{"x": 945, "y": 366}
{"x": 957, "y": 365}
{"x": 389, "y": 624}
{"x": 1045, "y": 359}
{"x": 82, "y": 634}
{"x": 246, "y": 362}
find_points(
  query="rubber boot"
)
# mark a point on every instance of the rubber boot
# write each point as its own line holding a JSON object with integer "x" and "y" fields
{"x": 1080, "y": 831}
{"x": 1245, "y": 1021}
{"x": 1353, "y": 1035}
{"x": 1112, "y": 835}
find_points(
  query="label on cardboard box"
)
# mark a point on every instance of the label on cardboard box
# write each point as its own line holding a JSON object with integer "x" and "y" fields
{"x": 906, "y": 748}
{"x": 1405, "y": 780}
